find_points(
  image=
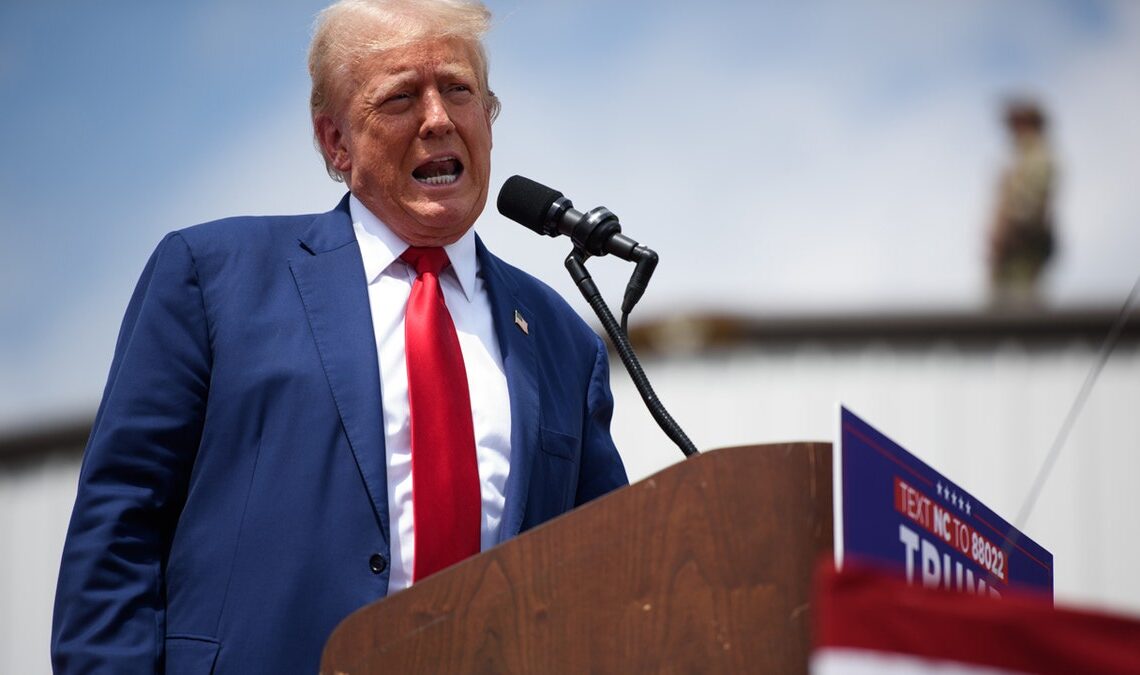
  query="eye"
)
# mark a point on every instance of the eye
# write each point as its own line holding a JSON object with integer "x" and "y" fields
{"x": 459, "y": 91}
{"x": 394, "y": 102}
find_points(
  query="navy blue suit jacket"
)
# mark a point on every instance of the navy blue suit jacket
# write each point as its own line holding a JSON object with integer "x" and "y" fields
{"x": 233, "y": 496}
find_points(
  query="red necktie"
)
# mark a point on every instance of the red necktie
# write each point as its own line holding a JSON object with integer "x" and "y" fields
{"x": 446, "y": 501}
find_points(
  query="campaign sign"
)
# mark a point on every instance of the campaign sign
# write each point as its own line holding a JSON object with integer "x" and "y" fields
{"x": 892, "y": 509}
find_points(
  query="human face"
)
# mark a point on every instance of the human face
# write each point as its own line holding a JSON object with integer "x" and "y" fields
{"x": 413, "y": 140}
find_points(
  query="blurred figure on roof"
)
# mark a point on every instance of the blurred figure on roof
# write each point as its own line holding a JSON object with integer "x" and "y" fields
{"x": 1021, "y": 236}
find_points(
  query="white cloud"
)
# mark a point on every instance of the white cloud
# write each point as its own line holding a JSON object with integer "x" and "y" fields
{"x": 807, "y": 180}
{"x": 776, "y": 156}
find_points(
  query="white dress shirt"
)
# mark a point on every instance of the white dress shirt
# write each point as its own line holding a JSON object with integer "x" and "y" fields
{"x": 389, "y": 285}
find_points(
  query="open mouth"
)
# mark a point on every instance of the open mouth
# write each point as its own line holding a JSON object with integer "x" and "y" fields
{"x": 439, "y": 171}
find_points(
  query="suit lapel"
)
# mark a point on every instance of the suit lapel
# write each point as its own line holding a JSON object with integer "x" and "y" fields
{"x": 520, "y": 361}
{"x": 329, "y": 275}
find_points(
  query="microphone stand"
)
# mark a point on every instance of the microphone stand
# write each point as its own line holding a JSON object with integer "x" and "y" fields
{"x": 575, "y": 264}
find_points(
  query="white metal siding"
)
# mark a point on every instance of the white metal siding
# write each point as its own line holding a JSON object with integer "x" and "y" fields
{"x": 983, "y": 418}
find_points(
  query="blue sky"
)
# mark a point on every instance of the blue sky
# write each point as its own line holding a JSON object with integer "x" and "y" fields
{"x": 822, "y": 155}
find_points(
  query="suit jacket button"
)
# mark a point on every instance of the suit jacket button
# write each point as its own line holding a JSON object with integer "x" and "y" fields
{"x": 377, "y": 563}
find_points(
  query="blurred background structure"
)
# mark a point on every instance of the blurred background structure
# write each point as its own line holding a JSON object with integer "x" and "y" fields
{"x": 817, "y": 177}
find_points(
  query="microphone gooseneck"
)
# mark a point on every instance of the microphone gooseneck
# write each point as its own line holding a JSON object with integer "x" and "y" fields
{"x": 594, "y": 233}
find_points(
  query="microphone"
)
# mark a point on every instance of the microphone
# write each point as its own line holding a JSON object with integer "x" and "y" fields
{"x": 546, "y": 211}
{"x": 597, "y": 232}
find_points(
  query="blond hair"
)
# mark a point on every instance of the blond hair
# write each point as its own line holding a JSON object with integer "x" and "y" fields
{"x": 349, "y": 30}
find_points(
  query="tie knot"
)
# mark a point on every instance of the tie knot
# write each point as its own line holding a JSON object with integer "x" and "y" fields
{"x": 426, "y": 259}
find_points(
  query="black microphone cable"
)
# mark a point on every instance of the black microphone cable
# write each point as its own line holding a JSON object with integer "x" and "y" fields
{"x": 1046, "y": 469}
{"x": 595, "y": 233}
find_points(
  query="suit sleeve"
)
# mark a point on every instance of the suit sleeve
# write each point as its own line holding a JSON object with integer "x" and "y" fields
{"x": 109, "y": 608}
{"x": 601, "y": 467}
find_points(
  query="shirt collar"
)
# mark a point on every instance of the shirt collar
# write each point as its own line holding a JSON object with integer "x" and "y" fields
{"x": 380, "y": 247}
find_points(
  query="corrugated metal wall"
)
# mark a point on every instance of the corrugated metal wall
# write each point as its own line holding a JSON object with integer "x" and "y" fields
{"x": 984, "y": 417}
{"x": 35, "y": 504}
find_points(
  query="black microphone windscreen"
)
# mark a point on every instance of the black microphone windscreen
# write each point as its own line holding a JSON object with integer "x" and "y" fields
{"x": 527, "y": 202}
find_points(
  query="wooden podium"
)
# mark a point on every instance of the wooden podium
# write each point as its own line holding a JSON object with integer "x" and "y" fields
{"x": 703, "y": 567}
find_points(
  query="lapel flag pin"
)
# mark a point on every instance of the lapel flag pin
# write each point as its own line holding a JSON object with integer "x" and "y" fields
{"x": 521, "y": 323}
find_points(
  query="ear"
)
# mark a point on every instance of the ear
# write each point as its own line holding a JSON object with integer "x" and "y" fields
{"x": 490, "y": 129}
{"x": 332, "y": 142}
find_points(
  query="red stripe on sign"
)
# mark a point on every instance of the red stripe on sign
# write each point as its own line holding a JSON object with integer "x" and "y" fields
{"x": 858, "y": 434}
{"x": 1005, "y": 538}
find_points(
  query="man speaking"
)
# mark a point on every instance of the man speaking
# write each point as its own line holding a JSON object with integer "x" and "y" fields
{"x": 307, "y": 413}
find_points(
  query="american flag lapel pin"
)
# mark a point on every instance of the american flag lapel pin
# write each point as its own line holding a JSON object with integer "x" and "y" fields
{"x": 521, "y": 323}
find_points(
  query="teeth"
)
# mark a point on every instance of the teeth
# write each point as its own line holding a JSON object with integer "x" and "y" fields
{"x": 446, "y": 171}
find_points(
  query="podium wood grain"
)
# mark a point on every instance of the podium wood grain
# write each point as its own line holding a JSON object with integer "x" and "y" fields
{"x": 703, "y": 567}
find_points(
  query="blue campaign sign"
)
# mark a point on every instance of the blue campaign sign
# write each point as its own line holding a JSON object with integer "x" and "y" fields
{"x": 892, "y": 509}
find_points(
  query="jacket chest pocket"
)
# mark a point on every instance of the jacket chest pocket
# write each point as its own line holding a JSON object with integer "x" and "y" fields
{"x": 190, "y": 655}
{"x": 554, "y": 484}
